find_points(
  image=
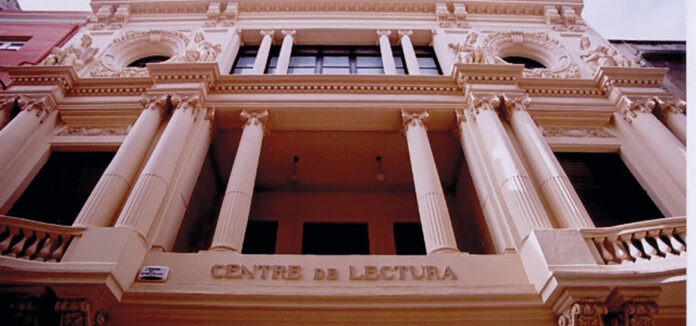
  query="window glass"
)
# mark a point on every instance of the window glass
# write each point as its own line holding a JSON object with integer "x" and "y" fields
{"x": 364, "y": 61}
{"x": 335, "y": 61}
{"x": 303, "y": 61}
{"x": 335, "y": 71}
{"x": 370, "y": 71}
{"x": 427, "y": 62}
{"x": 245, "y": 60}
{"x": 301, "y": 71}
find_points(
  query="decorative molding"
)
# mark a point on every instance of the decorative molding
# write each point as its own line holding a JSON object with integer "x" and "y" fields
{"x": 78, "y": 312}
{"x": 7, "y": 103}
{"x": 665, "y": 107}
{"x": 95, "y": 131}
{"x": 540, "y": 45}
{"x": 217, "y": 16}
{"x": 254, "y": 118}
{"x": 639, "y": 311}
{"x": 368, "y": 6}
{"x": 574, "y": 132}
{"x": 566, "y": 20}
{"x": 630, "y": 108}
{"x": 122, "y": 49}
{"x": 154, "y": 102}
{"x": 585, "y": 312}
{"x": 486, "y": 102}
{"x": 447, "y": 18}
{"x": 39, "y": 105}
{"x": 186, "y": 103}
{"x": 77, "y": 57}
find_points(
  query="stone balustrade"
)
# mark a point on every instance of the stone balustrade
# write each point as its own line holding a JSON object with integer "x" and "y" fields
{"x": 639, "y": 242}
{"x": 33, "y": 240}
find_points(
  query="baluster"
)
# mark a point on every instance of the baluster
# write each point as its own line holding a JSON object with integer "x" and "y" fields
{"x": 677, "y": 247}
{"x": 632, "y": 249}
{"x": 648, "y": 248}
{"x": 45, "y": 252}
{"x": 5, "y": 244}
{"x": 18, "y": 248}
{"x": 58, "y": 253}
{"x": 681, "y": 232}
{"x": 663, "y": 247}
{"x": 606, "y": 255}
{"x": 34, "y": 248}
{"x": 619, "y": 251}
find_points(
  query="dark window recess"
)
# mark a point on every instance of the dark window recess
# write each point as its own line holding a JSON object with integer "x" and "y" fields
{"x": 335, "y": 239}
{"x": 272, "y": 60}
{"x": 244, "y": 63}
{"x": 260, "y": 237}
{"x": 142, "y": 62}
{"x": 408, "y": 239}
{"x": 610, "y": 193}
{"x": 426, "y": 61}
{"x": 59, "y": 190}
{"x": 527, "y": 62}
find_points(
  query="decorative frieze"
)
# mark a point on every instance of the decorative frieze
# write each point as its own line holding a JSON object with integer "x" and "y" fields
{"x": 574, "y": 132}
{"x": 585, "y": 312}
{"x": 95, "y": 131}
{"x": 203, "y": 51}
{"x": 78, "y": 312}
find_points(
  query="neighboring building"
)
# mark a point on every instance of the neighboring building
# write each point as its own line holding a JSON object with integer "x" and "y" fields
{"x": 341, "y": 162}
{"x": 27, "y": 37}
{"x": 9, "y": 5}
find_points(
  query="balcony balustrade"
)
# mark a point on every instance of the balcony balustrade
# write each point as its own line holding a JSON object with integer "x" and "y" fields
{"x": 33, "y": 240}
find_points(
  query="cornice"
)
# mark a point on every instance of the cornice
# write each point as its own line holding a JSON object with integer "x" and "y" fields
{"x": 561, "y": 87}
{"x": 631, "y": 77}
{"x": 62, "y": 76}
{"x": 467, "y": 73}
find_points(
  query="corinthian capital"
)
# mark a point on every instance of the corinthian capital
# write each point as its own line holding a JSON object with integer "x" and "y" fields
{"x": 254, "y": 118}
{"x": 38, "y": 105}
{"x": 190, "y": 103}
{"x": 520, "y": 103}
{"x": 383, "y": 33}
{"x": 413, "y": 119}
{"x": 154, "y": 102}
{"x": 630, "y": 109}
{"x": 8, "y": 102}
{"x": 665, "y": 107}
{"x": 487, "y": 102}
{"x": 587, "y": 311}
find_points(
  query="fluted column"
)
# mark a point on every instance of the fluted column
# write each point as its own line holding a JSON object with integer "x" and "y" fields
{"x": 673, "y": 115}
{"x": 434, "y": 216}
{"x": 264, "y": 50}
{"x": 149, "y": 191}
{"x": 386, "y": 52}
{"x": 493, "y": 210}
{"x": 409, "y": 53}
{"x": 285, "y": 52}
{"x": 514, "y": 184}
{"x": 234, "y": 214}
{"x": 664, "y": 146}
{"x": 34, "y": 111}
{"x": 110, "y": 191}
{"x": 6, "y": 106}
{"x": 549, "y": 175}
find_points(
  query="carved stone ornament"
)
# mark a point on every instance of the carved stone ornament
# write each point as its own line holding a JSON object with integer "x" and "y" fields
{"x": 629, "y": 109}
{"x": 202, "y": 51}
{"x": 480, "y": 103}
{"x": 8, "y": 103}
{"x": 254, "y": 118}
{"x": 154, "y": 102}
{"x": 586, "y": 312}
{"x": 76, "y": 56}
{"x": 574, "y": 132}
{"x": 78, "y": 312}
{"x": 520, "y": 103}
{"x": 447, "y": 18}
{"x": 468, "y": 51}
{"x": 133, "y": 45}
{"x": 603, "y": 56}
{"x": 666, "y": 107}
{"x": 564, "y": 21}
{"x": 95, "y": 131}
{"x": 550, "y": 51}
{"x": 638, "y": 311}
{"x": 190, "y": 103}
{"x": 217, "y": 16}
{"x": 36, "y": 105}
{"x": 413, "y": 119}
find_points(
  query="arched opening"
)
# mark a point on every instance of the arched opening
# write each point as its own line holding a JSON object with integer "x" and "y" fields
{"x": 142, "y": 62}
{"x": 527, "y": 62}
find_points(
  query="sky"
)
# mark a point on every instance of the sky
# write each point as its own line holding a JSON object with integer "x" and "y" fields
{"x": 614, "y": 19}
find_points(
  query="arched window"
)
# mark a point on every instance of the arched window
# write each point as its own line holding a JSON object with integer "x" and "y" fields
{"x": 527, "y": 62}
{"x": 142, "y": 62}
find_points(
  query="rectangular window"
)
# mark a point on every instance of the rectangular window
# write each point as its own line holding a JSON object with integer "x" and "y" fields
{"x": 244, "y": 63}
{"x": 408, "y": 239}
{"x": 333, "y": 60}
{"x": 335, "y": 239}
{"x": 260, "y": 237}
{"x": 12, "y": 46}
{"x": 610, "y": 193}
{"x": 427, "y": 61}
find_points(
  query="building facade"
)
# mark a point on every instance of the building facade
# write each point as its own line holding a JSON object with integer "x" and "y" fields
{"x": 318, "y": 161}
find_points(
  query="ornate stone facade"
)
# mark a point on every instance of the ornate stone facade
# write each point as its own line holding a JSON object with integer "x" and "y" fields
{"x": 241, "y": 134}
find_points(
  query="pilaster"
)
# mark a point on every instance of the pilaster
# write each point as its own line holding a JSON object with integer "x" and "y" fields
{"x": 409, "y": 53}
{"x": 264, "y": 50}
{"x": 285, "y": 52}
{"x": 386, "y": 52}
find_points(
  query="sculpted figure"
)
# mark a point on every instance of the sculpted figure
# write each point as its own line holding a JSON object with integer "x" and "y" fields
{"x": 72, "y": 55}
{"x": 468, "y": 52}
{"x": 602, "y": 56}
{"x": 204, "y": 51}
{"x": 584, "y": 43}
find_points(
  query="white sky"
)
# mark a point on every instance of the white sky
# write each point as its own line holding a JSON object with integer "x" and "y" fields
{"x": 614, "y": 19}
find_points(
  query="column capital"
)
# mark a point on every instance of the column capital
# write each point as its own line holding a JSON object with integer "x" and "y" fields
{"x": 665, "y": 107}
{"x": 413, "y": 119}
{"x": 484, "y": 102}
{"x": 154, "y": 102}
{"x": 38, "y": 104}
{"x": 405, "y": 33}
{"x": 460, "y": 115}
{"x": 381, "y": 33}
{"x": 256, "y": 118}
{"x": 288, "y": 32}
{"x": 585, "y": 311}
{"x": 7, "y": 103}
{"x": 629, "y": 108}
{"x": 269, "y": 32}
{"x": 510, "y": 104}
{"x": 186, "y": 103}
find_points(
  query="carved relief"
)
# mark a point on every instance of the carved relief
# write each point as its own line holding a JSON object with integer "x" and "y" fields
{"x": 480, "y": 103}
{"x": 106, "y": 18}
{"x": 116, "y": 56}
{"x": 496, "y": 44}
{"x": 637, "y": 312}
{"x": 586, "y": 312}
{"x": 191, "y": 103}
{"x": 95, "y": 131}
{"x": 447, "y": 18}
{"x": 204, "y": 51}
{"x": 468, "y": 51}
{"x": 216, "y": 16}
{"x": 254, "y": 118}
{"x": 154, "y": 102}
{"x": 603, "y": 56}
{"x": 629, "y": 109}
{"x": 36, "y": 105}
{"x": 74, "y": 56}
{"x": 563, "y": 22}
{"x": 666, "y": 107}
{"x": 413, "y": 119}
{"x": 574, "y": 132}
